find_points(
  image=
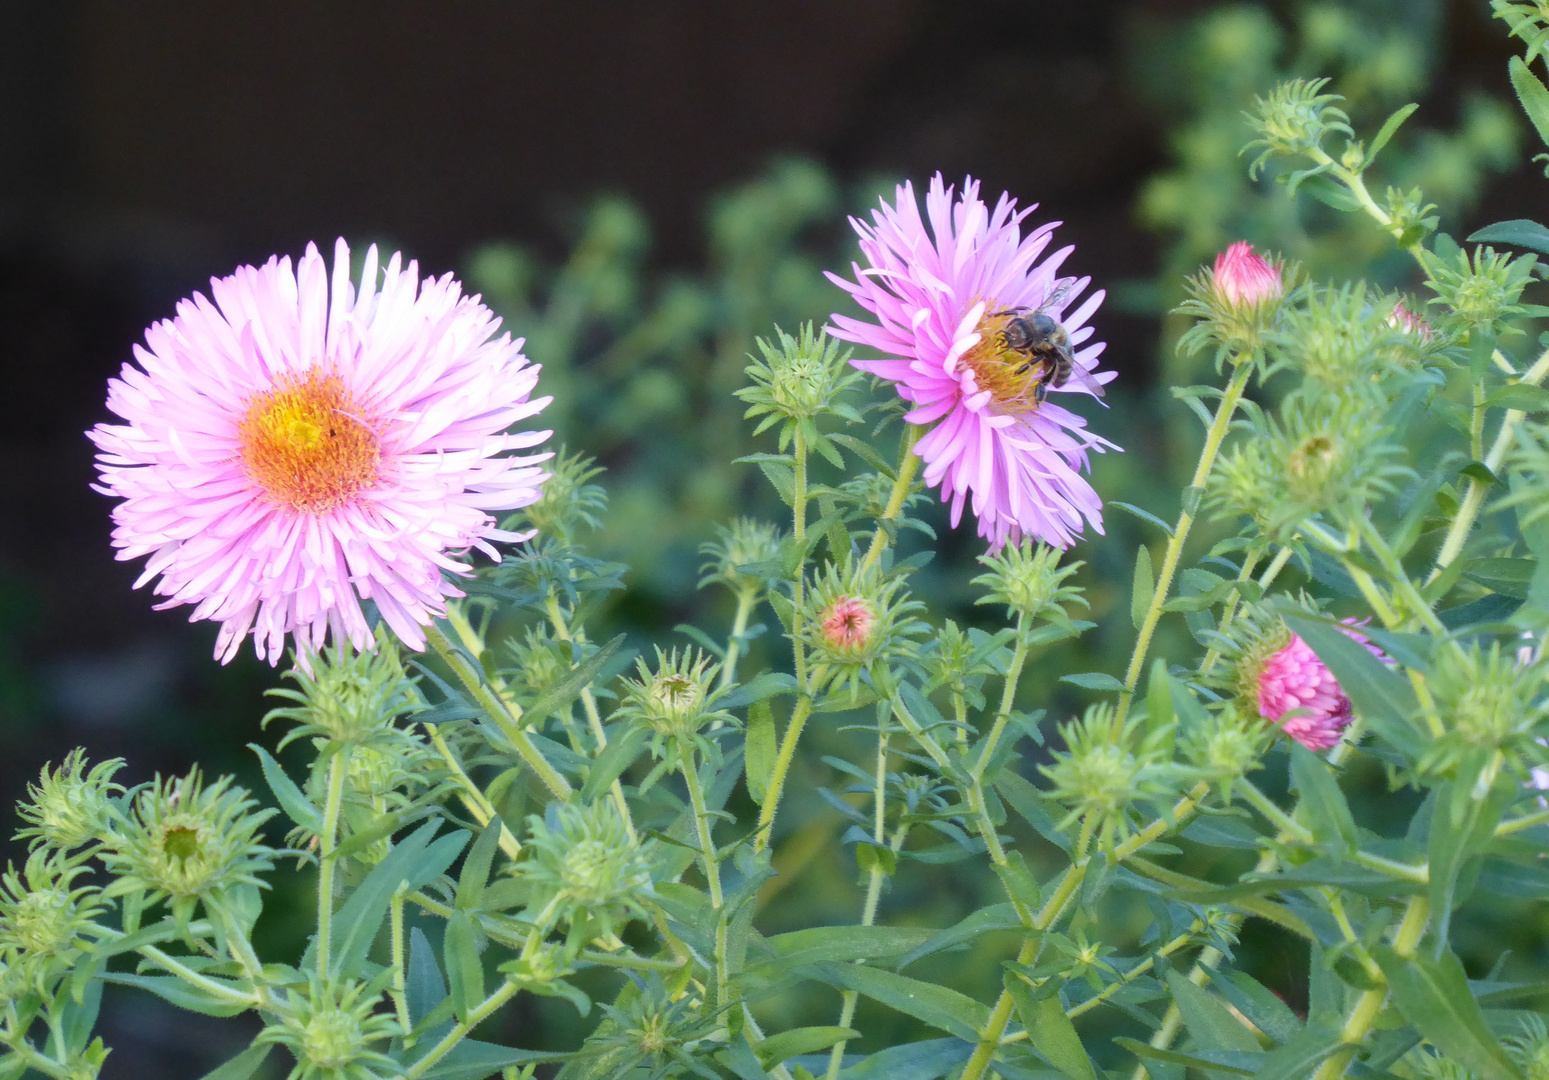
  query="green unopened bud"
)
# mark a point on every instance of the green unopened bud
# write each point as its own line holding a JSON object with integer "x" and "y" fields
{"x": 1482, "y": 292}
{"x": 41, "y": 915}
{"x": 348, "y": 698}
{"x": 332, "y": 1029}
{"x": 676, "y": 700}
{"x": 1410, "y": 217}
{"x": 69, "y": 806}
{"x": 1293, "y": 119}
{"x": 744, "y": 543}
{"x": 1488, "y": 703}
{"x": 1030, "y": 581}
{"x": 1338, "y": 338}
{"x": 1103, "y": 773}
{"x": 569, "y": 501}
{"x": 187, "y": 841}
{"x": 1227, "y": 747}
{"x": 798, "y": 379}
{"x": 1529, "y": 1048}
{"x": 584, "y": 868}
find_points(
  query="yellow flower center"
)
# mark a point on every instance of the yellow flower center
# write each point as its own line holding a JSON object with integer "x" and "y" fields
{"x": 1010, "y": 376}
{"x": 305, "y": 443}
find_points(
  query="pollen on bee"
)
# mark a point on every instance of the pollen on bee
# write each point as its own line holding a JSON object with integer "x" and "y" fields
{"x": 1011, "y": 376}
{"x": 305, "y": 443}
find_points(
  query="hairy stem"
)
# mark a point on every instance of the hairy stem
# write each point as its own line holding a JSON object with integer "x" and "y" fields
{"x": 782, "y": 766}
{"x": 908, "y": 465}
{"x": 504, "y": 993}
{"x": 325, "y": 858}
{"x": 1207, "y": 459}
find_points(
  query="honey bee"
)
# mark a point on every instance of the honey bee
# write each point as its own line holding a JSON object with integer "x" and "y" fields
{"x": 1038, "y": 336}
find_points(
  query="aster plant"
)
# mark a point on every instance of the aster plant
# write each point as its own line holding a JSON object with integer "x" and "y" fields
{"x": 501, "y": 805}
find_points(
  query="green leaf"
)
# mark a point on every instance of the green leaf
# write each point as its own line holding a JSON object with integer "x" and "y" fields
{"x": 243, "y": 1065}
{"x": 1461, "y": 828}
{"x": 1095, "y": 680}
{"x": 464, "y": 969}
{"x": 1019, "y": 882}
{"x": 415, "y": 860}
{"x": 180, "y": 993}
{"x": 1524, "y": 397}
{"x": 1144, "y": 587}
{"x": 1387, "y": 131}
{"x": 1299, "y": 1057}
{"x": 1261, "y": 1006}
{"x": 569, "y": 688}
{"x": 1211, "y": 1024}
{"x": 1051, "y": 1032}
{"x": 759, "y": 750}
{"x": 474, "y": 1060}
{"x": 869, "y": 857}
{"x": 476, "y": 867}
{"x": 766, "y": 686}
{"x": 1322, "y": 802}
{"x": 1519, "y": 232}
{"x": 952, "y": 1012}
{"x": 1510, "y": 577}
{"x": 1434, "y": 996}
{"x": 842, "y": 943}
{"x": 867, "y": 453}
{"x": 926, "y": 1059}
{"x": 805, "y": 1040}
{"x": 975, "y": 926}
{"x": 1143, "y": 515}
{"x": 1380, "y": 694}
{"x": 620, "y": 753}
{"x": 783, "y": 478}
{"x": 1531, "y": 92}
{"x": 424, "y": 986}
{"x": 297, "y": 806}
{"x": 1188, "y": 1061}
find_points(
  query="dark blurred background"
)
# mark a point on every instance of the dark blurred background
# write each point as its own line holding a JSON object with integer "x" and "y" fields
{"x": 145, "y": 146}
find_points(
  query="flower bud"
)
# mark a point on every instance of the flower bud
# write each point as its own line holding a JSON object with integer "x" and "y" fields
{"x": 852, "y": 620}
{"x": 1245, "y": 279}
{"x": 187, "y": 841}
{"x": 744, "y": 543}
{"x": 568, "y": 501}
{"x": 676, "y": 700}
{"x": 1226, "y": 747}
{"x": 331, "y": 1029}
{"x": 1293, "y": 120}
{"x": 798, "y": 379}
{"x": 1030, "y": 581}
{"x": 346, "y": 697}
{"x": 1102, "y": 774}
{"x": 70, "y": 807}
{"x": 1479, "y": 294}
{"x": 1529, "y": 1047}
{"x": 1404, "y": 318}
{"x": 1236, "y": 303}
{"x": 1284, "y": 681}
{"x": 1489, "y": 703}
{"x": 41, "y": 917}
{"x": 584, "y": 869}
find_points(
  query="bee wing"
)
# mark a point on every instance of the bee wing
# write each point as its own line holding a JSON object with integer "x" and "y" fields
{"x": 1056, "y": 297}
{"x": 1083, "y": 378}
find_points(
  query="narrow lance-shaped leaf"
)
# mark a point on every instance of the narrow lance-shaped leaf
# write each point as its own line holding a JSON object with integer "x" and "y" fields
{"x": 1434, "y": 996}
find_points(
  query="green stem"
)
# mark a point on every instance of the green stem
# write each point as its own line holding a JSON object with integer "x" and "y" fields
{"x": 1473, "y": 497}
{"x": 747, "y": 599}
{"x": 507, "y": 715}
{"x": 472, "y": 797}
{"x": 712, "y": 870}
{"x": 325, "y": 858}
{"x": 1051, "y": 912}
{"x": 782, "y": 766}
{"x": 1271, "y": 572}
{"x": 1506, "y": 828}
{"x": 400, "y": 966}
{"x": 799, "y": 538}
{"x": 1007, "y": 697}
{"x": 1362, "y": 1015}
{"x": 505, "y": 993}
{"x": 1207, "y": 458}
{"x": 593, "y": 718}
{"x": 908, "y": 466}
{"x": 188, "y": 975}
{"x": 1135, "y": 972}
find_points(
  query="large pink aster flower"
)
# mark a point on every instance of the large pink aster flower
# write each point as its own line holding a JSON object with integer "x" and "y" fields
{"x": 294, "y": 447}
{"x": 942, "y": 301}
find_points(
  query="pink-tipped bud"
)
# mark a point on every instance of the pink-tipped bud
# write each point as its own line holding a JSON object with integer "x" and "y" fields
{"x": 1297, "y": 691}
{"x": 1244, "y": 278}
{"x": 847, "y": 624}
{"x": 1409, "y": 322}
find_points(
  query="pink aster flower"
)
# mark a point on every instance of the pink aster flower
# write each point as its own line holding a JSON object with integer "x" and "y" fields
{"x": 1244, "y": 278}
{"x": 944, "y": 302}
{"x": 295, "y": 447}
{"x": 1297, "y": 691}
